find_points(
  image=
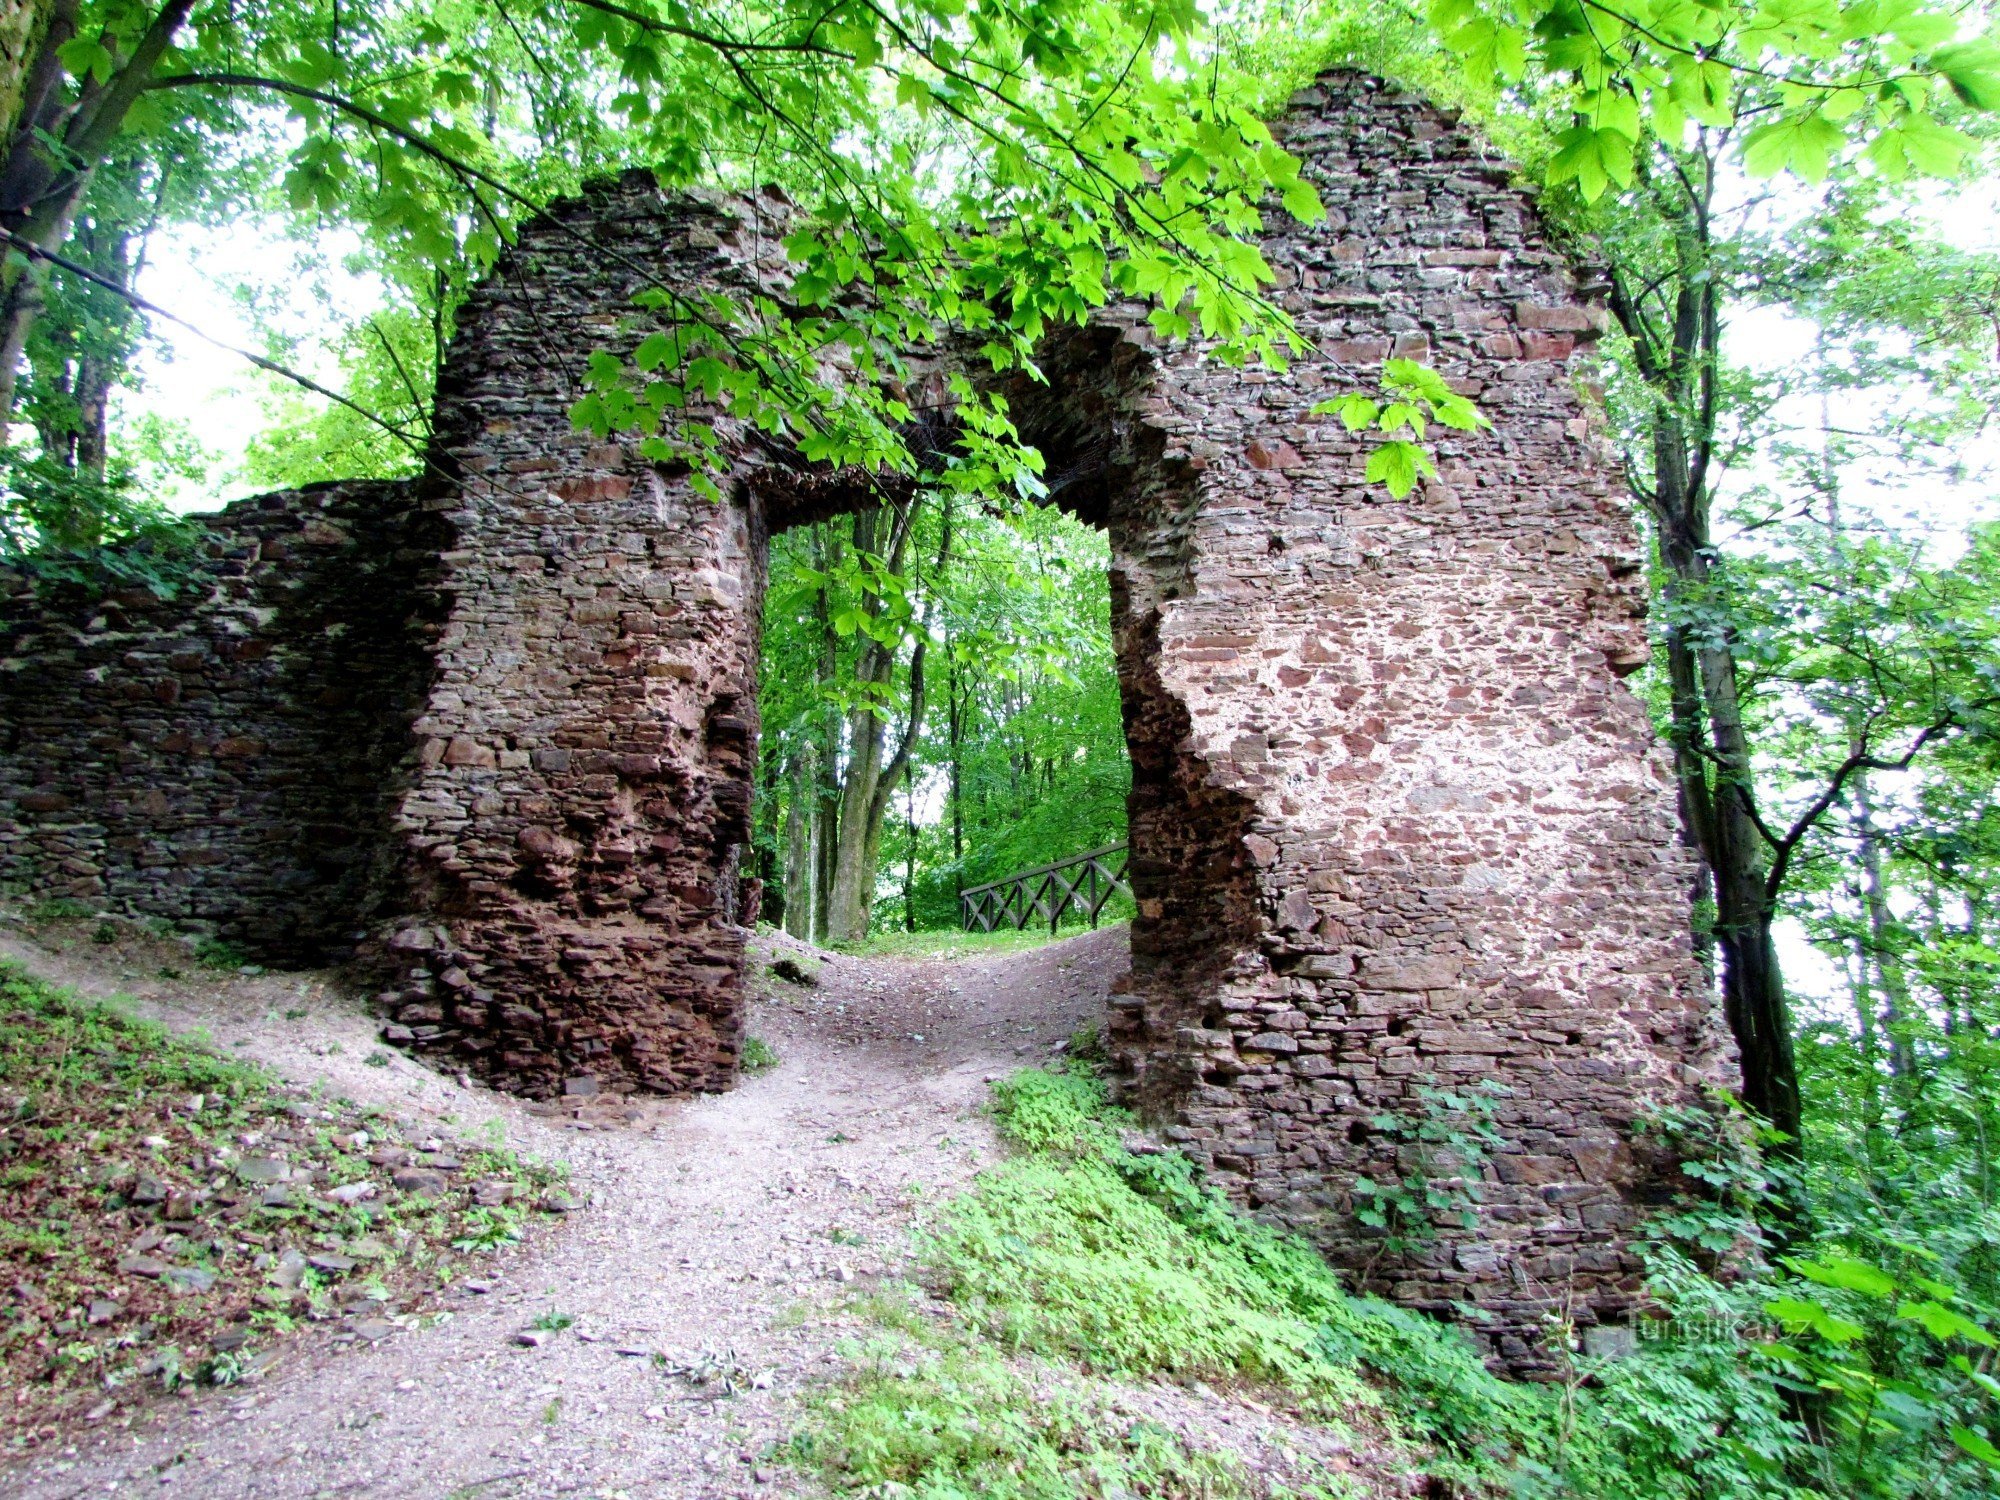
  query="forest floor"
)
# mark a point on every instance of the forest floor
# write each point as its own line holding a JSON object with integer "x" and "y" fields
{"x": 726, "y": 1252}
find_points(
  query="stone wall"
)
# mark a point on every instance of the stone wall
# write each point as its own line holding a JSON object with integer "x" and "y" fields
{"x": 573, "y": 842}
{"x": 1459, "y": 843}
{"x": 1396, "y": 826}
{"x": 228, "y": 757}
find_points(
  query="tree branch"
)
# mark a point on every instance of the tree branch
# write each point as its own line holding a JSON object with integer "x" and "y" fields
{"x": 142, "y": 304}
{"x": 1783, "y": 847}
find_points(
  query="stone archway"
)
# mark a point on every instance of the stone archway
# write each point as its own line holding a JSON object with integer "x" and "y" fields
{"x": 1394, "y": 818}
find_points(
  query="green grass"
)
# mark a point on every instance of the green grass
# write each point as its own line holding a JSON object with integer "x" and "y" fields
{"x": 938, "y": 1418}
{"x": 759, "y": 1056}
{"x": 951, "y": 943}
{"x": 1133, "y": 1265}
{"x": 218, "y": 953}
{"x": 1075, "y": 1267}
{"x": 1075, "y": 1262}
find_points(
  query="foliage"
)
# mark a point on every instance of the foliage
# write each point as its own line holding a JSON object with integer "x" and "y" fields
{"x": 758, "y": 1056}
{"x": 1023, "y": 760}
{"x": 951, "y": 943}
{"x": 1078, "y": 1258}
{"x": 1449, "y": 1140}
{"x": 108, "y": 1122}
{"x": 928, "y": 1415}
{"x": 1132, "y": 1265}
{"x": 1416, "y": 396}
{"x": 88, "y": 535}
{"x": 1801, "y": 87}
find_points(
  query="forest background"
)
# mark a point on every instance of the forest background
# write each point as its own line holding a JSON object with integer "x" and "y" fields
{"x": 1790, "y": 208}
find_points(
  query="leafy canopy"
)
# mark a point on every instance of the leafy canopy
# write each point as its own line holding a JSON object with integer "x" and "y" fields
{"x": 1801, "y": 84}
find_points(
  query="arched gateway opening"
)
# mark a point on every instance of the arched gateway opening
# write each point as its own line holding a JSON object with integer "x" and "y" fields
{"x": 1395, "y": 824}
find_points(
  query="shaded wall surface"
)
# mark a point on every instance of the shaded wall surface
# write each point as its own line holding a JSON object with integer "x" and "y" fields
{"x": 574, "y": 837}
{"x": 1396, "y": 826}
{"x": 230, "y": 756}
{"x": 1408, "y": 800}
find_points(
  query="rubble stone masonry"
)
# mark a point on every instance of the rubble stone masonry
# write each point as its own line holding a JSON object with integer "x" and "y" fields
{"x": 229, "y": 757}
{"x": 1396, "y": 825}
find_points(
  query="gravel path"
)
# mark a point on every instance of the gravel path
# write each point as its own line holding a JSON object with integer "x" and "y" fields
{"x": 725, "y": 1234}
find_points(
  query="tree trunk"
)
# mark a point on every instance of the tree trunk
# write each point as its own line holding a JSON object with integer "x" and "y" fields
{"x": 909, "y": 857}
{"x": 1676, "y": 356}
{"x": 955, "y": 732}
{"x": 1712, "y": 761}
{"x": 826, "y": 760}
{"x": 869, "y": 783}
{"x": 853, "y": 892}
{"x": 1882, "y": 949}
{"x": 798, "y": 880}
{"x": 23, "y": 23}
{"x": 41, "y": 188}
{"x": 866, "y": 793}
{"x": 25, "y": 296}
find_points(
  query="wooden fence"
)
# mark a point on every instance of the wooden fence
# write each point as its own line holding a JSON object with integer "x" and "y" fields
{"x": 1082, "y": 883}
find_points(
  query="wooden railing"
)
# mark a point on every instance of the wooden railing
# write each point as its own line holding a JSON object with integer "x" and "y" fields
{"x": 1047, "y": 892}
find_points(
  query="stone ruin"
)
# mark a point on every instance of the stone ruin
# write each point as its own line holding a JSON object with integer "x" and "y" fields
{"x": 1395, "y": 823}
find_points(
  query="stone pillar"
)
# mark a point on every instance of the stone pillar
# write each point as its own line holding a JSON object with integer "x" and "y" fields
{"x": 1394, "y": 773}
{"x": 573, "y": 841}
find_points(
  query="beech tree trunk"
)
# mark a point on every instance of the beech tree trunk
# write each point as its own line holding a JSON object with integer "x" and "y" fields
{"x": 866, "y": 791}
{"x": 22, "y": 26}
{"x": 798, "y": 874}
{"x": 1881, "y": 951}
{"x": 1712, "y": 762}
{"x": 826, "y": 808}
{"x": 872, "y": 771}
{"x": 1676, "y": 335}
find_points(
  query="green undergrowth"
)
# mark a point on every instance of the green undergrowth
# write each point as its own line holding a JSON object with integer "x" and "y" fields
{"x": 951, "y": 944}
{"x": 1131, "y": 1265}
{"x": 1076, "y": 1269}
{"x": 167, "y": 1214}
{"x": 931, "y": 1414}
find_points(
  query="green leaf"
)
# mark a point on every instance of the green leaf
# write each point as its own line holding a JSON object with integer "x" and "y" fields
{"x": 86, "y": 57}
{"x": 1593, "y": 159}
{"x": 1804, "y": 145}
{"x": 1942, "y": 1323}
{"x": 653, "y": 351}
{"x": 1302, "y": 202}
{"x": 1398, "y": 466}
{"x": 1973, "y": 71}
{"x": 1355, "y": 411}
{"x": 1847, "y": 1274}
{"x": 1977, "y": 1446}
{"x": 1796, "y": 1313}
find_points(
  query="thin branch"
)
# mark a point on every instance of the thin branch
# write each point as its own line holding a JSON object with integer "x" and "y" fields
{"x": 417, "y": 401}
{"x": 284, "y": 372}
{"x": 1783, "y": 847}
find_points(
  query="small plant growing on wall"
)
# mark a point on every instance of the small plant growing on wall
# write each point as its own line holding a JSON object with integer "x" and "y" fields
{"x": 1442, "y": 1150}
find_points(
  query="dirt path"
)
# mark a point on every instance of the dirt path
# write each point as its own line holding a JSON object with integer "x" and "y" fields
{"x": 723, "y": 1234}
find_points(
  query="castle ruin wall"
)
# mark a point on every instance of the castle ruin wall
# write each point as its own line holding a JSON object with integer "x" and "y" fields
{"x": 1397, "y": 827}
